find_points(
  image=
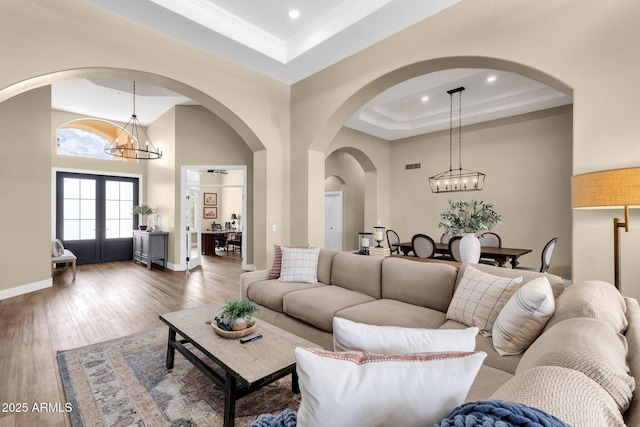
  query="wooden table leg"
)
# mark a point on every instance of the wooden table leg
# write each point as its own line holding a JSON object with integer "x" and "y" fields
{"x": 229, "y": 400}
{"x": 171, "y": 351}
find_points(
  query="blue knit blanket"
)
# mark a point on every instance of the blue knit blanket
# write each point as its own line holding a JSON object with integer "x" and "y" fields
{"x": 498, "y": 413}
{"x": 483, "y": 413}
{"x": 286, "y": 418}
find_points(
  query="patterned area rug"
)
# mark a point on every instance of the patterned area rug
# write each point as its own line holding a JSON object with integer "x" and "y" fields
{"x": 124, "y": 382}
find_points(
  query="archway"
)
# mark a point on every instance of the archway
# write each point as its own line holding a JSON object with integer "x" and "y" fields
{"x": 331, "y": 129}
{"x": 225, "y": 114}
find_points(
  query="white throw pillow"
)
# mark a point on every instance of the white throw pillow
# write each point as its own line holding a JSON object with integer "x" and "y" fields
{"x": 57, "y": 248}
{"x": 354, "y": 336}
{"x": 299, "y": 265}
{"x": 523, "y": 317}
{"x": 479, "y": 298}
{"x": 359, "y": 389}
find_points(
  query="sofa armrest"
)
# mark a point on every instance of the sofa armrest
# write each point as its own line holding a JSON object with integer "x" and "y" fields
{"x": 249, "y": 277}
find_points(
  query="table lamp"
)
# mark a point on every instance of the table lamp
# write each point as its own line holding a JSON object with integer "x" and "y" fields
{"x": 610, "y": 189}
{"x": 233, "y": 220}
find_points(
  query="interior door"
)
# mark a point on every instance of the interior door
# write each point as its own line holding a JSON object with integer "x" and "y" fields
{"x": 93, "y": 216}
{"x": 333, "y": 220}
{"x": 194, "y": 238}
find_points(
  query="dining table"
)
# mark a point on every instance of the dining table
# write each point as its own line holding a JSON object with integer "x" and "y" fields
{"x": 501, "y": 255}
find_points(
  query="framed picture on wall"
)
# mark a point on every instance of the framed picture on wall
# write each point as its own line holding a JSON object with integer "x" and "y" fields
{"x": 210, "y": 213}
{"x": 211, "y": 199}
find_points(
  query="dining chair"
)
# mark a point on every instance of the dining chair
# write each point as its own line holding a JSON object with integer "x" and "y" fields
{"x": 545, "y": 257}
{"x": 393, "y": 240}
{"x": 445, "y": 238}
{"x": 491, "y": 240}
{"x": 454, "y": 248}
{"x": 423, "y": 246}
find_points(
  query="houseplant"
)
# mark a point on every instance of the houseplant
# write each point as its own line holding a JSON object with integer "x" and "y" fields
{"x": 143, "y": 210}
{"x": 467, "y": 218}
{"x": 236, "y": 314}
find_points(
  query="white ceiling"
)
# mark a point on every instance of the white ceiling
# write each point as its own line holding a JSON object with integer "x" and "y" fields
{"x": 259, "y": 35}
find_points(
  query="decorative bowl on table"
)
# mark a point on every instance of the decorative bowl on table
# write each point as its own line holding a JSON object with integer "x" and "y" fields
{"x": 234, "y": 334}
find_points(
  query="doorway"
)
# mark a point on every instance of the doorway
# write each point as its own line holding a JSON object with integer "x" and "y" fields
{"x": 333, "y": 220}
{"x": 225, "y": 189}
{"x": 93, "y": 215}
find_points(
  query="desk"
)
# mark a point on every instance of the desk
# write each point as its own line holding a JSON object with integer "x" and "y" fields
{"x": 209, "y": 240}
{"x": 501, "y": 255}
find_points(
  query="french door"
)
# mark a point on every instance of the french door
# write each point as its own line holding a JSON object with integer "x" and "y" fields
{"x": 93, "y": 216}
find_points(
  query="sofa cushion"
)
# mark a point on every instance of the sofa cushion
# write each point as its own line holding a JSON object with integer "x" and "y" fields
{"x": 556, "y": 282}
{"x": 426, "y": 284}
{"x": 269, "y": 293}
{"x": 276, "y": 264}
{"x": 355, "y": 336}
{"x": 357, "y": 273}
{"x": 479, "y": 298}
{"x": 486, "y": 383}
{"x": 394, "y": 313}
{"x": 319, "y": 305}
{"x": 591, "y": 299}
{"x": 503, "y": 363}
{"x": 381, "y": 390}
{"x": 590, "y": 346}
{"x": 632, "y": 415}
{"x": 299, "y": 265}
{"x": 325, "y": 265}
{"x": 565, "y": 393}
{"x": 523, "y": 317}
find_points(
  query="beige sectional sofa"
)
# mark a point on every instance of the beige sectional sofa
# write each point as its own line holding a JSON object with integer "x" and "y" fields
{"x": 581, "y": 368}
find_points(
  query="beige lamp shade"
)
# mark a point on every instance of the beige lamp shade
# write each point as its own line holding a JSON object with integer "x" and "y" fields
{"x": 615, "y": 188}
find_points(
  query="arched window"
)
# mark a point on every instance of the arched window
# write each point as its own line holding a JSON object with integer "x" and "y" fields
{"x": 87, "y": 138}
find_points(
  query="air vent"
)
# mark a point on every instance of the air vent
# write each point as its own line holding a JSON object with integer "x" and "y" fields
{"x": 412, "y": 166}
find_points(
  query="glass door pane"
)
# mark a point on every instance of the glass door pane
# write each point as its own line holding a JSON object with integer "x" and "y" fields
{"x": 79, "y": 209}
{"x": 118, "y": 206}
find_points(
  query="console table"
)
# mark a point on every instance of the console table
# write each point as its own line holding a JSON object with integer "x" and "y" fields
{"x": 150, "y": 247}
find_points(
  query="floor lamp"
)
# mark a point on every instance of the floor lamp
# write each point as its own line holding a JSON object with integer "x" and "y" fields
{"x": 610, "y": 189}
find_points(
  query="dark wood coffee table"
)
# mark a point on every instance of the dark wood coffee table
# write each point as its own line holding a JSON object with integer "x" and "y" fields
{"x": 247, "y": 367}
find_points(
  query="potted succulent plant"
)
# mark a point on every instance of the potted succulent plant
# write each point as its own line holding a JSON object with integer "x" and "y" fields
{"x": 236, "y": 314}
{"x": 467, "y": 219}
{"x": 143, "y": 210}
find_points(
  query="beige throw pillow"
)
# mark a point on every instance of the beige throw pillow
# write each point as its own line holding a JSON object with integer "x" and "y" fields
{"x": 479, "y": 298}
{"x": 359, "y": 389}
{"x": 523, "y": 317}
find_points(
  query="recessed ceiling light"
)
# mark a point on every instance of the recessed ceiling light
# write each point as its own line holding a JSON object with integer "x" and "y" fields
{"x": 491, "y": 79}
{"x": 294, "y": 14}
{"x": 424, "y": 98}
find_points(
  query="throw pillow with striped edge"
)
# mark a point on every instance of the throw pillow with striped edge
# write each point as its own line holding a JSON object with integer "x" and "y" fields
{"x": 360, "y": 389}
{"x": 276, "y": 265}
{"x": 479, "y": 298}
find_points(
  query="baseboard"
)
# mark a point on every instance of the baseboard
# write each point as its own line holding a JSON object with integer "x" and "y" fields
{"x": 25, "y": 289}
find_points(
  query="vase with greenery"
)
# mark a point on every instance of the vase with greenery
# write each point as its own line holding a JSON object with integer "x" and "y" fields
{"x": 236, "y": 314}
{"x": 143, "y": 210}
{"x": 467, "y": 219}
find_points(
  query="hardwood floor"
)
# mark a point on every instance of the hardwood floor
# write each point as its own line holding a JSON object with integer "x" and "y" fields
{"x": 105, "y": 301}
